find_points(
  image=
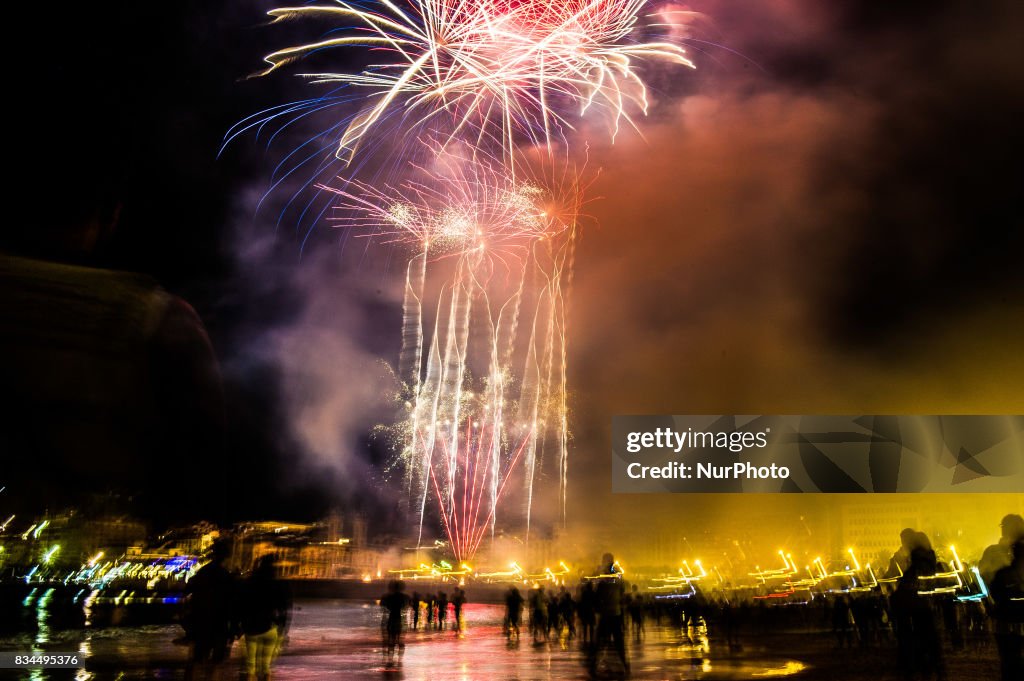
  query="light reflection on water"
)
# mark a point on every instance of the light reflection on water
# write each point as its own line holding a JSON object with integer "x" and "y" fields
{"x": 789, "y": 669}
{"x": 341, "y": 640}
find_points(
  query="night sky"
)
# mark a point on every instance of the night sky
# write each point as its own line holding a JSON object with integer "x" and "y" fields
{"x": 824, "y": 217}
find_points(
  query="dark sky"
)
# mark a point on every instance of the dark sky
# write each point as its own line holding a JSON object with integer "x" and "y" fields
{"x": 830, "y": 223}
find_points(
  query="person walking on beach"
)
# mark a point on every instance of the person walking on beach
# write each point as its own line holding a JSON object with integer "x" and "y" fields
{"x": 264, "y": 607}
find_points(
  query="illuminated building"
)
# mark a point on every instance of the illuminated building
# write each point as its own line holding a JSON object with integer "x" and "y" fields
{"x": 309, "y": 551}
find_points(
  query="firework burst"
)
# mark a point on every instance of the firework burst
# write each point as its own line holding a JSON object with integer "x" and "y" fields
{"x": 462, "y": 204}
{"x": 502, "y": 70}
{"x": 490, "y": 231}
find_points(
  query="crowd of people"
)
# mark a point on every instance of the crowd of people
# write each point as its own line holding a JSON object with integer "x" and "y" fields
{"x": 908, "y": 613}
{"x": 922, "y": 621}
{"x": 603, "y": 614}
{"x": 596, "y": 615}
{"x": 431, "y": 609}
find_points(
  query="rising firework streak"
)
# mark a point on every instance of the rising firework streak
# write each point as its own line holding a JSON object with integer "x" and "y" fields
{"x": 484, "y": 334}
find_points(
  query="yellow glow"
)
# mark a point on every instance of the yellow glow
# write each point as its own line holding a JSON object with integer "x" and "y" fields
{"x": 856, "y": 563}
{"x": 958, "y": 566}
{"x": 791, "y": 668}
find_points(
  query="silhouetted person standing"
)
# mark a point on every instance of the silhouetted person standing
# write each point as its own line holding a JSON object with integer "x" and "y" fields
{"x": 842, "y": 622}
{"x": 636, "y": 612}
{"x": 513, "y": 612}
{"x": 264, "y": 607}
{"x": 1007, "y": 593}
{"x": 458, "y": 600}
{"x": 394, "y": 603}
{"x": 415, "y": 604}
{"x": 900, "y": 560}
{"x": 538, "y": 615}
{"x": 442, "y": 609}
{"x": 917, "y": 634}
{"x": 587, "y": 612}
{"x": 554, "y": 616}
{"x": 567, "y": 611}
{"x": 731, "y": 624}
{"x": 209, "y": 613}
{"x": 610, "y": 620}
{"x": 1000, "y": 554}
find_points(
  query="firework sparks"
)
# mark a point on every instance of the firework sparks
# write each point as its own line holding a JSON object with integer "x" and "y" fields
{"x": 485, "y": 381}
{"x": 465, "y": 205}
{"x": 498, "y": 67}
